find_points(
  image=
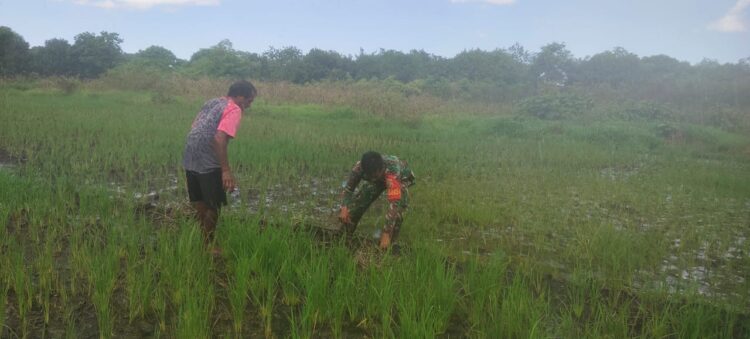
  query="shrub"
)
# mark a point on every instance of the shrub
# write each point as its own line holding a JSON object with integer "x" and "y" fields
{"x": 644, "y": 110}
{"x": 555, "y": 106}
{"x": 67, "y": 85}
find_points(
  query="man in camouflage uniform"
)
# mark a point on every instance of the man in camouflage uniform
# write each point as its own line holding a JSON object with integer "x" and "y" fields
{"x": 380, "y": 173}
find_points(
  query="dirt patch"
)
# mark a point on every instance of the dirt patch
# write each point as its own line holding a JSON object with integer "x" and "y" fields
{"x": 8, "y": 160}
{"x": 4, "y": 156}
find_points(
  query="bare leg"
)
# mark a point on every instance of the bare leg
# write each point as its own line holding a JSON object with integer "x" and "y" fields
{"x": 385, "y": 239}
{"x": 208, "y": 218}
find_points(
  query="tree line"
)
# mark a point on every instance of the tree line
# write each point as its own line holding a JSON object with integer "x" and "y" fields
{"x": 503, "y": 73}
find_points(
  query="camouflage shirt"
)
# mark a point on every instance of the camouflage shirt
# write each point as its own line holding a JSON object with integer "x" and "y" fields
{"x": 397, "y": 177}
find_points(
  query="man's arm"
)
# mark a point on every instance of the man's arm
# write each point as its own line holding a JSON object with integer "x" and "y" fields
{"x": 221, "y": 140}
{"x": 347, "y": 194}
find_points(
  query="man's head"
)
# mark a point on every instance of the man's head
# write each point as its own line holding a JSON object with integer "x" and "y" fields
{"x": 243, "y": 93}
{"x": 373, "y": 166}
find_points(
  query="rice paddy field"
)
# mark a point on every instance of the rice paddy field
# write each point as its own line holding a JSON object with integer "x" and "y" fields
{"x": 517, "y": 227}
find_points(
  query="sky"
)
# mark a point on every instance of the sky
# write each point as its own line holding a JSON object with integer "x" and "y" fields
{"x": 688, "y": 30}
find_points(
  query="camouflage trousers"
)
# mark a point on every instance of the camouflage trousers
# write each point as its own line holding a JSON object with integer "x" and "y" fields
{"x": 365, "y": 196}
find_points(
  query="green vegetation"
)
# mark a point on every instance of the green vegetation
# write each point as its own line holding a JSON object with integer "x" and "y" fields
{"x": 618, "y": 221}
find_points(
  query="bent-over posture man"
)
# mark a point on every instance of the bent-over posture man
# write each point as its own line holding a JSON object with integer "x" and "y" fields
{"x": 380, "y": 173}
{"x": 206, "y": 162}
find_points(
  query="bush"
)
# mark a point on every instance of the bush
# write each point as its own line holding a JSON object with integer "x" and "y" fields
{"x": 644, "y": 110}
{"x": 67, "y": 85}
{"x": 555, "y": 106}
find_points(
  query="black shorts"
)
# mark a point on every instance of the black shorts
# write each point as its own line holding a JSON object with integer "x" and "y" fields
{"x": 206, "y": 187}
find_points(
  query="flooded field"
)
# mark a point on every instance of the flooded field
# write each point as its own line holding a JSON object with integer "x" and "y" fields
{"x": 560, "y": 231}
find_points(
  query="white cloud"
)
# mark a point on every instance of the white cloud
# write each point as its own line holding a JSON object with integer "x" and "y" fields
{"x": 733, "y": 21}
{"x": 491, "y": 2}
{"x": 144, "y": 4}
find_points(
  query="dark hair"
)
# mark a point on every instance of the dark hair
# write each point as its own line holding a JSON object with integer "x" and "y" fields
{"x": 371, "y": 163}
{"x": 242, "y": 88}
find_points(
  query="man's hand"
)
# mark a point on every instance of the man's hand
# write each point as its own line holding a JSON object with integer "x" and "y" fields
{"x": 344, "y": 216}
{"x": 227, "y": 180}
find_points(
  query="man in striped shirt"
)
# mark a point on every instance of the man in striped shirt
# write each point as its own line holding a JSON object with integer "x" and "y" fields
{"x": 205, "y": 160}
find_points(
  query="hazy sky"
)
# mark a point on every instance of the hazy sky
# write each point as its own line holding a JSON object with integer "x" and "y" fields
{"x": 688, "y": 30}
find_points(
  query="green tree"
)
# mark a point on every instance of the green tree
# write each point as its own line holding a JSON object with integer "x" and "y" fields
{"x": 54, "y": 58}
{"x": 157, "y": 57}
{"x": 395, "y": 64}
{"x": 616, "y": 67}
{"x": 221, "y": 60}
{"x": 319, "y": 64}
{"x": 285, "y": 64}
{"x": 553, "y": 64}
{"x": 95, "y": 54}
{"x": 497, "y": 67}
{"x": 14, "y": 52}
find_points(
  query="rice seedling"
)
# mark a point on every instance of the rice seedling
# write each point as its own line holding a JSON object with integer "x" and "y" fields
{"x": 46, "y": 275}
{"x": 425, "y": 311}
{"x": 266, "y": 262}
{"x": 316, "y": 279}
{"x": 140, "y": 274}
{"x": 343, "y": 304}
{"x": 3, "y": 299}
{"x": 102, "y": 275}
{"x": 185, "y": 278}
{"x": 482, "y": 285}
{"x": 382, "y": 286}
{"x": 23, "y": 288}
{"x": 238, "y": 292}
{"x": 521, "y": 312}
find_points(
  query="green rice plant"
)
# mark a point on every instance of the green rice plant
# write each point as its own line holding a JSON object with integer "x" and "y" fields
{"x": 22, "y": 286}
{"x": 382, "y": 285}
{"x": 46, "y": 273}
{"x": 581, "y": 290}
{"x": 290, "y": 281}
{"x": 194, "y": 319}
{"x": 263, "y": 284}
{"x": 482, "y": 285}
{"x": 186, "y": 280}
{"x": 274, "y": 250}
{"x": 159, "y": 305}
{"x": 343, "y": 304}
{"x": 656, "y": 323}
{"x": 3, "y": 298}
{"x": 425, "y": 311}
{"x": 238, "y": 292}
{"x": 71, "y": 331}
{"x": 140, "y": 285}
{"x": 316, "y": 282}
{"x": 520, "y": 311}
{"x": 5, "y": 272}
{"x": 103, "y": 278}
{"x": 609, "y": 318}
{"x": 263, "y": 291}
{"x": 239, "y": 244}
{"x": 695, "y": 320}
{"x": 80, "y": 261}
